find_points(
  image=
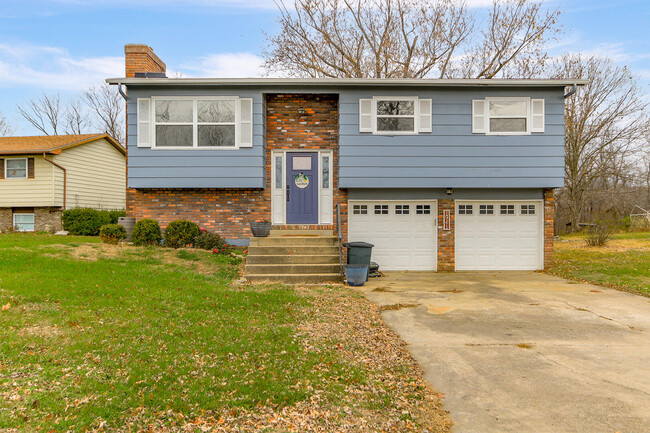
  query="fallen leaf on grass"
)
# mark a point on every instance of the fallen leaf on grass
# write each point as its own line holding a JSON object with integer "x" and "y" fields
{"x": 6, "y": 307}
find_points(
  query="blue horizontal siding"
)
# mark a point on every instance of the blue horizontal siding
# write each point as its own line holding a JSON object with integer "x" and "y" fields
{"x": 196, "y": 168}
{"x": 451, "y": 155}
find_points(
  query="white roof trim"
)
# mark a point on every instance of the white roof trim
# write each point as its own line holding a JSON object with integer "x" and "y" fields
{"x": 344, "y": 82}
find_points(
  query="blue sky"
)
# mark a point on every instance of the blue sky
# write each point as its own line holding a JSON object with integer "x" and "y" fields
{"x": 66, "y": 45}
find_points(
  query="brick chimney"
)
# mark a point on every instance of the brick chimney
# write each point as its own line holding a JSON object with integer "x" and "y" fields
{"x": 140, "y": 59}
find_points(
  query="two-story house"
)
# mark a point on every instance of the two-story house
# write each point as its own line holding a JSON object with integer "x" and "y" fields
{"x": 438, "y": 174}
{"x": 41, "y": 176}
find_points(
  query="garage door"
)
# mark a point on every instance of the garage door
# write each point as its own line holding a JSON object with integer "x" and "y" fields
{"x": 403, "y": 233}
{"x": 499, "y": 235}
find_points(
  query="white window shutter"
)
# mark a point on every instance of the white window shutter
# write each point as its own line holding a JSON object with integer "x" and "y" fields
{"x": 245, "y": 122}
{"x": 365, "y": 115}
{"x": 537, "y": 115}
{"x": 425, "y": 115}
{"x": 144, "y": 122}
{"x": 479, "y": 119}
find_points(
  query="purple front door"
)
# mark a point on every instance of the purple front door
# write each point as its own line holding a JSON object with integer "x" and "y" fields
{"x": 302, "y": 188}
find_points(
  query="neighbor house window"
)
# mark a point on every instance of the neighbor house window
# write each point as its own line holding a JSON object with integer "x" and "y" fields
{"x": 202, "y": 123}
{"x": 16, "y": 168}
{"x": 528, "y": 209}
{"x": 464, "y": 209}
{"x": 395, "y": 115}
{"x": 507, "y": 209}
{"x": 24, "y": 222}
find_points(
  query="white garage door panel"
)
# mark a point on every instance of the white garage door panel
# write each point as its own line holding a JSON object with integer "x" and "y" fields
{"x": 401, "y": 242}
{"x": 499, "y": 242}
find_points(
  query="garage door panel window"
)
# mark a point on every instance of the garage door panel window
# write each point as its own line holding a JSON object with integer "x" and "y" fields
{"x": 360, "y": 209}
{"x": 528, "y": 209}
{"x": 465, "y": 209}
{"x": 423, "y": 209}
{"x": 381, "y": 209}
{"x": 401, "y": 209}
{"x": 507, "y": 209}
{"x": 486, "y": 209}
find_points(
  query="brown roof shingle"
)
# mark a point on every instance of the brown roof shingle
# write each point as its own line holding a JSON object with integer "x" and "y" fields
{"x": 50, "y": 143}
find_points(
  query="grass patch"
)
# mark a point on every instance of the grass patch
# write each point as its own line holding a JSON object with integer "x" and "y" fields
{"x": 624, "y": 263}
{"x": 135, "y": 338}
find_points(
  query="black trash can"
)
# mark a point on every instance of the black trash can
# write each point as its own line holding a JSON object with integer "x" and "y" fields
{"x": 359, "y": 254}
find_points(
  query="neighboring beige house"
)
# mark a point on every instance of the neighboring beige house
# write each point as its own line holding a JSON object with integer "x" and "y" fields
{"x": 42, "y": 176}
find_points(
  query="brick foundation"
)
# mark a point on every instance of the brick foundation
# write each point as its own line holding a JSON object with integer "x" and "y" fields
{"x": 46, "y": 219}
{"x": 446, "y": 238}
{"x": 225, "y": 211}
{"x": 549, "y": 226}
{"x": 6, "y": 220}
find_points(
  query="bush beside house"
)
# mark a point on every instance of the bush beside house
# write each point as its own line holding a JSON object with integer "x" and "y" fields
{"x": 181, "y": 233}
{"x": 87, "y": 222}
{"x": 146, "y": 232}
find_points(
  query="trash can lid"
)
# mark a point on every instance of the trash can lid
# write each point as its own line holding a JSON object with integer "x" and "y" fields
{"x": 358, "y": 245}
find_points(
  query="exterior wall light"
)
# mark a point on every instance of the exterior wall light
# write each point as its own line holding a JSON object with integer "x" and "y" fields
{"x": 449, "y": 191}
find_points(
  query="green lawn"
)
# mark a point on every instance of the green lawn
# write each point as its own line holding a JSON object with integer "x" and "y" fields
{"x": 624, "y": 263}
{"x": 134, "y": 339}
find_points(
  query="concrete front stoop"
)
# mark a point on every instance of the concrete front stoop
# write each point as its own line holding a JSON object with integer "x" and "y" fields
{"x": 294, "y": 257}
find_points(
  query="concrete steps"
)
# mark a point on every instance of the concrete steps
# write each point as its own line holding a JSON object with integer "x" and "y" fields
{"x": 294, "y": 258}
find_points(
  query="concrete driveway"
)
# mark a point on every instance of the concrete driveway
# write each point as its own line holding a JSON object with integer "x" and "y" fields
{"x": 523, "y": 351}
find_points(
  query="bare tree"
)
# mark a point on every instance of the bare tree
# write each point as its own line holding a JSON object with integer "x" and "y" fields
{"x": 108, "y": 108}
{"x": 409, "y": 39}
{"x": 76, "y": 118}
{"x": 5, "y": 128}
{"x": 44, "y": 113}
{"x": 604, "y": 123}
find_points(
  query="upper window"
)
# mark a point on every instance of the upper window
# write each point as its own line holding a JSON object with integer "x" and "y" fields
{"x": 190, "y": 122}
{"x": 395, "y": 115}
{"x": 16, "y": 168}
{"x": 507, "y": 116}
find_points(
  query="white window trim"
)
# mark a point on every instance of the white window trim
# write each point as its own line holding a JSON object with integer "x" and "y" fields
{"x": 26, "y": 213}
{"x": 194, "y": 123}
{"x": 415, "y": 116}
{"x": 26, "y": 168}
{"x": 528, "y": 116}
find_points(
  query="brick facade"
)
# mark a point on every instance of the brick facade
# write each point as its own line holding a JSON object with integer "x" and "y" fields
{"x": 446, "y": 238}
{"x": 549, "y": 226}
{"x": 225, "y": 211}
{"x": 292, "y": 122}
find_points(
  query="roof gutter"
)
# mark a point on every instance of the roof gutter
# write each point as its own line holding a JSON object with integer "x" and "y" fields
{"x": 119, "y": 89}
{"x": 65, "y": 178}
{"x": 572, "y": 91}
